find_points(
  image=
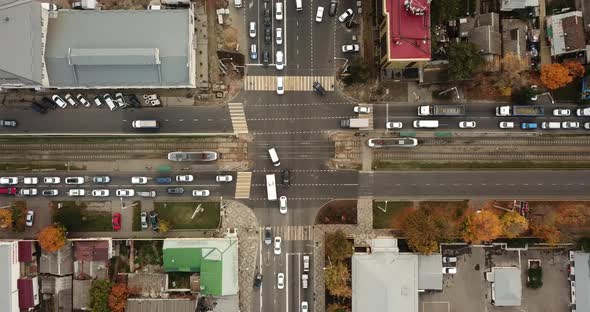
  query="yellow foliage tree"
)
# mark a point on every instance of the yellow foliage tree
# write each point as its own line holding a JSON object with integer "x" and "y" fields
{"x": 482, "y": 226}
{"x": 337, "y": 277}
{"x": 513, "y": 224}
{"x": 547, "y": 232}
{"x": 5, "y": 218}
{"x": 164, "y": 226}
{"x": 52, "y": 238}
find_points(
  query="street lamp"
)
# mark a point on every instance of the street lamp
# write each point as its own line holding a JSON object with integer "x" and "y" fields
{"x": 447, "y": 90}
{"x": 345, "y": 62}
{"x": 534, "y": 97}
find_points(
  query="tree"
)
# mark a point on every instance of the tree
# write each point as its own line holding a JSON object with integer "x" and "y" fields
{"x": 535, "y": 277}
{"x": 358, "y": 72}
{"x": 570, "y": 214}
{"x": 464, "y": 60}
{"x": 338, "y": 247}
{"x": 555, "y": 76}
{"x": 575, "y": 69}
{"x": 337, "y": 307}
{"x": 547, "y": 232}
{"x": 513, "y": 224}
{"x": 512, "y": 68}
{"x": 5, "y": 218}
{"x": 99, "y": 295}
{"x": 52, "y": 238}
{"x": 422, "y": 231}
{"x": 336, "y": 277}
{"x": 164, "y": 226}
{"x": 118, "y": 297}
{"x": 482, "y": 226}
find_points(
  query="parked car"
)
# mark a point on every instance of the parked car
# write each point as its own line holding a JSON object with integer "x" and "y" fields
{"x": 304, "y": 306}
{"x": 98, "y": 101}
{"x": 393, "y": 125}
{"x": 51, "y": 180}
{"x": 570, "y": 125}
{"x": 116, "y": 221}
{"x": 110, "y": 102}
{"x": 74, "y": 180}
{"x": 154, "y": 220}
{"x": 125, "y": 192}
{"x": 50, "y": 192}
{"x": 201, "y": 193}
{"x": 351, "y": 48}
{"x": 279, "y": 60}
{"x": 76, "y": 192}
{"x": 224, "y": 178}
{"x": 149, "y": 194}
{"x": 345, "y": 16}
{"x": 59, "y": 101}
{"x": 101, "y": 179}
{"x": 449, "y": 259}
{"x": 267, "y": 235}
{"x": 31, "y": 180}
{"x": 83, "y": 100}
{"x": 175, "y": 190}
{"x": 139, "y": 180}
{"x": 8, "y": 180}
{"x": 30, "y": 218}
{"x": 7, "y": 123}
{"x": 319, "y": 14}
{"x": 277, "y": 245}
{"x": 143, "y": 220}
{"x": 449, "y": 270}
{"x": 253, "y": 52}
{"x": 121, "y": 100}
{"x": 279, "y": 36}
{"x": 38, "y": 108}
{"x": 467, "y": 124}
{"x": 28, "y": 191}
{"x": 562, "y": 112}
{"x": 333, "y": 7}
{"x": 7, "y": 190}
{"x": 587, "y": 125}
{"x": 70, "y": 99}
{"x": 252, "y": 30}
{"x": 100, "y": 193}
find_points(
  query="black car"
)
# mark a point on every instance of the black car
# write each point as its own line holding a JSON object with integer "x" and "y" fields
{"x": 258, "y": 280}
{"x": 8, "y": 123}
{"x": 267, "y": 235}
{"x": 286, "y": 177}
{"x": 265, "y": 57}
{"x": 38, "y": 108}
{"x": 318, "y": 88}
{"x": 267, "y": 36}
{"x": 154, "y": 220}
{"x": 175, "y": 190}
{"x": 134, "y": 101}
{"x": 48, "y": 103}
{"x": 267, "y": 18}
{"x": 333, "y": 7}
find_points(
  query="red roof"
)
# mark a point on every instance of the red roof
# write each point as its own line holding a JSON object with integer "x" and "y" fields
{"x": 91, "y": 250}
{"x": 25, "y": 251}
{"x": 409, "y": 29}
{"x": 25, "y": 293}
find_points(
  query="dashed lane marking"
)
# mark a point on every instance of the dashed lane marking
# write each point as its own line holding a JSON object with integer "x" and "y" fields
{"x": 301, "y": 118}
{"x": 292, "y": 132}
{"x": 303, "y": 104}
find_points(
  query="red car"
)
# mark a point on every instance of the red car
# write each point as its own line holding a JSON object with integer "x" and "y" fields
{"x": 116, "y": 221}
{"x": 7, "y": 190}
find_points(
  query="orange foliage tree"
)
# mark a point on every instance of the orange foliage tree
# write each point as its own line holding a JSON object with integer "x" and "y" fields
{"x": 513, "y": 224}
{"x": 547, "y": 232}
{"x": 118, "y": 297}
{"x": 5, "y": 218}
{"x": 482, "y": 226}
{"x": 422, "y": 231}
{"x": 575, "y": 69}
{"x": 555, "y": 76}
{"x": 570, "y": 214}
{"x": 52, "y": 238}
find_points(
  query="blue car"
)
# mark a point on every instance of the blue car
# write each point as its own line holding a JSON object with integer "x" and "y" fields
{"x": 528, "y": 125}
{"x": 164, "y": 180}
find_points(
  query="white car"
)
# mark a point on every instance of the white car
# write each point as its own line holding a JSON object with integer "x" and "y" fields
{"x": 74, "y": 180}
{"x": 51, "y": 180}
{"x": 28, "y": 191}
{"x": 283, "y": 204}
{"x": 279, "y": 11}
{"x": 100, "y": 193}
{"x": 83, "y": 100}
{"x": 59, "y": 101}
{"x": 506, "y": 125}
{"x": 319, "y": 14}
{"x": 345, "y": 16}
{"x": 280, "y": 280}
{"x": 224, "y": 178}
{"x": 449, "y": 270}
{"x": 9, "y": 180}
{"x": 184, "y": 178}
{"x": 467, "y": 124}
{"x": 124, "y": 192}
{"x": 393, "y": 125}
{"x": 351, "y": 48}
{"x": 449, "y": 259}
{"x": 252, "y": 30}
{"x": 277, "y": 246}
{"x": 280, "y": 85}
{"x": 139, "y": 180}
{"x": 70, "y": 99}
{"x": 143, "y": 220}
{"x": 30, "y": 217}
{"x": 561, "y": 112}
{"x": 201, "y": 193}
{"x": 279, "y": 36}
{"x": 362, "y": 109}
{"x": 76, "y": 192}
{"x": 570, "y": 125}
{"x": 304, "y": 306}
{"x": 587, "y": 125}
{"x": 31, "y": 180}
{"x": 279, "y": 60}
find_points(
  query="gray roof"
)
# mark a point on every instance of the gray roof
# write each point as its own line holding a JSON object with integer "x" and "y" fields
{"x": 490, "y": 19}
{"x": 509, "y": 5}
{"x": 385, "y": 281}
{"x": 486, "y": 39}
{"x": 81, "y": 296}
{"x": 60, "y": 262}
{"x": 161, "y": 305}
{"x": 229, "y": 303}
{"x": 9, "y": 273}
{"x": 430, "y": 275}
{"x": 582, "y": 271}
{"x": 21, "y": 31}
{"x": 507, "y": 286}
{"x": 120, "y": 48}
{"x": 514, "y": 37}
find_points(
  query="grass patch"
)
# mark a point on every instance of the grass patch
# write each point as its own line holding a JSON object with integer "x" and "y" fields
{"x": 393, "y": 209}
{"x": 148, "y": 252}
{"x": 179, "y": 214}
{"x": 28, "y": 166}
{"x": 417, "y": 165}
{"x": 136, "y": 225}
{"x": 75, "y": 217}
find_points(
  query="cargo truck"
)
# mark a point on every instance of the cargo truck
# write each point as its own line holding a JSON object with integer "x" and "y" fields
{"x": 520, "y": 110}
{"x": 354, "y": 123}
{"x": 441, "y": 110}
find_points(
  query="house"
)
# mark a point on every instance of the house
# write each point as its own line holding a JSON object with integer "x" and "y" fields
{"x": 506, "y": 286}
{"x": 95, "y": 48}
{"x": 514, "y": 37}
{"x": 579, "y": 281}
{"x": 9, "y": 275}
{"x": 28, "y": 292}
{"x": 484, "y": 32}
{"x": 153, "y": 285}
{"x": 81, "y": 294}
{"x": 565, "y": 32}
{"x": 26, "y": 250}
{"x": 404, "y": 36}
{"x": 161, "y": 305}
{"x": 215, "y": 259}
{"x": 511, "y": 5}
{"x": 59, "y": 289}
{"x": 92, "y": 258}
{"x": 387, "y": 280}
{"x": 57, "y": 263}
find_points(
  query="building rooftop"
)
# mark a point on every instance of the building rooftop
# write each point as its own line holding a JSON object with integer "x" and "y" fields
{"x": 582, "y": 271}
{"x": 25, "y": 251}
{"x": 60, "y": 262}
{"x": 92, "y": 250}
{"x": 430, "y": 275}
{"x": 81, "y": 294}
{"x": 507, "y": 286}
{"x": 509, "y": 5}
{"x": 28, "y": 292}
{"x": 409, "y": 29}
{"x": 514, "y": 37}
{"x": 566, "y": 32}
{"x": 147, "y": 284}
{"x": 160, "y": 305}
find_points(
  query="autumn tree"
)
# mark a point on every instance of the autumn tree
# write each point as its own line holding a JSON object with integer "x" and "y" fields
{"x": 422, "y": 231}
{"x": 5, "y": 218}
{"x": 547, "y": 232}
{"x": 164, "y": 226}
{"x": 338, "y": 247}
{"x": 512, "y": 69}
{"x": 575, "y": 69}
{"x": 555, "y": 76}
{"x": 52, "y": 238}
{"x": 337, "y": 307}
{"x": 118, "y": 297}
{"x": 570, "y": 214}
{"x": 337, "y": 277}
{"x": 99, "y": 295}
{"x": 513, "y": 224}
{"x": 464, "y": 60}
{"x": 482, "y": 226}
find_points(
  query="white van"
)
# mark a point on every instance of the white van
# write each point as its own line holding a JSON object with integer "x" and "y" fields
{"x": 551, "y": 125}
{"x": 238, "y": 3}
{"x": 274, "y": 157}
{"x": 280, "y": 86}
{"x": 426, "y": 124}
{"x": 145, "y": 124}
{"x": 299, "y": 5}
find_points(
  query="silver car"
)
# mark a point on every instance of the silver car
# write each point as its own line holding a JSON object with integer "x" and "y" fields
{"x": 100, "y": 193}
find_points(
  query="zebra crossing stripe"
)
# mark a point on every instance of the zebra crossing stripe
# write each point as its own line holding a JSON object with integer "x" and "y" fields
{"x": 238, "y": 117}
{"x": 292, "y": 83}
{"x": 243, "y": 182}
{"x": 293, "y": 232}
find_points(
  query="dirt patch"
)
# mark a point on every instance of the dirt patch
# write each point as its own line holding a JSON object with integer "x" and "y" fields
{"x": 347, "y": 150}
{"x": 122, "y": 4}
{"x": 338, "y": 212}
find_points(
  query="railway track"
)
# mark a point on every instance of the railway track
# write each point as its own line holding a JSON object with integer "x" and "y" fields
{"x": 507, "y": 141}
{"x": 487, "y": 156}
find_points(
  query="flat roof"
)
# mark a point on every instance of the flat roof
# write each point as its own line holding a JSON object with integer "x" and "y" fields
{"x": 582, "y": 269}
{"x": 9, "y": 273}
{"x": 507, "y": 286}
{"x": 409, "y": 33}
{"x": 430, "y": 275}
{"x": 120, "y": 48}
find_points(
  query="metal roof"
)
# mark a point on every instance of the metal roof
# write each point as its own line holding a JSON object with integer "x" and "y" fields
{"x": 430, "y": 275}
{"x": 507, "y": 286}
{"x": 120, "y": 48}
{"x": 566, "y": 32}
{"x": 582, "y": 269}
{"x": 160, "y": 305}
{"x": 9, "y": 273}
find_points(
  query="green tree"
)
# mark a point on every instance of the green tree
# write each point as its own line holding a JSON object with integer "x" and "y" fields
{"x": 337, "y": 277}
{"x": 464, "y": 60}
{"x": 338, "y": 247}
{"x": 99, "y": 295}
{"x": 535, "y": 277}
{"x": 358, "y": 71}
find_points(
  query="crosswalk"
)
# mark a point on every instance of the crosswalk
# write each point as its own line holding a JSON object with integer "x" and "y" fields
{"x": 292, "y": 83}
{"x": 238, "y": 117}
{"x": 367, "y": 116}
{"x": 292, "y": 232}
{"x": 243, "y": 182}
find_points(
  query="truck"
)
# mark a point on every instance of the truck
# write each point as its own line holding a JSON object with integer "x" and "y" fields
{"x": 354, "y": 123}
{"x": 441, "y": 110}
{"x": 304, "y": 279}
{"x": 192, "y": 156}
{"x": 271, "y": 187}
{"x": 520, "y": 110}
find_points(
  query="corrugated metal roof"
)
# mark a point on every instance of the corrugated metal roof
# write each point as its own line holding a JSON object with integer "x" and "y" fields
{"x": 25, "y": 293}
{"x": 582, "y": 268}
{"x": 161, "y": 305}
{"x": 114, "y": 57}
{"x": 25, "y": 251}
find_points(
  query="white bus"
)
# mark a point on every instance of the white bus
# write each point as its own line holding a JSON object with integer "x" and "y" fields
{"x": 271, "y": 187}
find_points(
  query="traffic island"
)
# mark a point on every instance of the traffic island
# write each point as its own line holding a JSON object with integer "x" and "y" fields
{"x": 194, "y": 215}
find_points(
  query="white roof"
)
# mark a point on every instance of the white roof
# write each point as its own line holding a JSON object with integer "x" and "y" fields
{"x": 9, "y": 273}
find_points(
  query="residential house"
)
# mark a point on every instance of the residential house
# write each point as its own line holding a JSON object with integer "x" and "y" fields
{"x": 506, "y": 286}
{"x": 161, "y": 305}
{"x": 28, "y": 292}
{"x": 404, "y": 37}
{"x": 81, "y": 294}
{"x": 59, "y": 289}
{"x": 565, "y": 32}
{"x": 514, "y": 37}
{"x": 92, "y": 258}
{"x": 9, "y": 275}
{"x": 57, "y": 263}
{"x": 511, "y": 5}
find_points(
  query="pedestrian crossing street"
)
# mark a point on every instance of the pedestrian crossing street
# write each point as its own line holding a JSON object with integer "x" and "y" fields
{"x": 368, "y": 116}
{"x": 243, "y": 183}
{"x": 292, "y": 83}
{"x": 238, "y": 117}
{"x": 292, "y": 232}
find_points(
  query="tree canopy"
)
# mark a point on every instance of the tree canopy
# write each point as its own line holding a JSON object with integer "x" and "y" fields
{"x": 513, "y": 224}
{"x": 338, "y": 247}
{"x": 422, "y": 231}
{"x": 464, "y": 60}
{"x": 118, "y": 297}
{"x": 337, "y": 277}
{"x": 52, "y": 238}
{"x": 99, "y": 295}
{"x": 482, "y": 226}
{"x": 5, "y": 218}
